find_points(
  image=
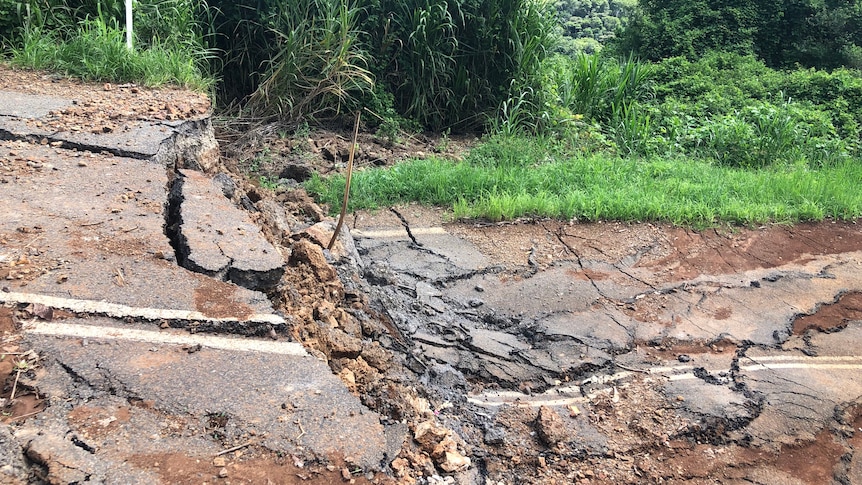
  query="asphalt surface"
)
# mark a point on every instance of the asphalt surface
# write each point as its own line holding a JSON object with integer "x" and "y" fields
{"x": 145, "y": 278}
{"x": 718, "y": 341}
{"x": 191, "y": 361}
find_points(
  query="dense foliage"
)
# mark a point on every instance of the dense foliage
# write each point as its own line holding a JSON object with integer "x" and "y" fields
{"x": 587, "y": 25}
{"x": 813, "y": 33}
{"x": 440, "y": 63}
{"x": 87, "y": 39}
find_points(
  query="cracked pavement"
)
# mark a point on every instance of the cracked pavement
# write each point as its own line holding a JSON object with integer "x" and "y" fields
{"x": 147, "y": 351}
{"x": 537, "y": 352}
{"x": 551, "y": 313}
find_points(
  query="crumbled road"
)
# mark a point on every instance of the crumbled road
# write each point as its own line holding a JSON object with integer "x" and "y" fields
{"x": 164, "y": 321}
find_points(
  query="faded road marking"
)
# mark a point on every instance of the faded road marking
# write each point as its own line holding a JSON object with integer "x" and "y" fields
{"x": 163, "y": 337}
{"x": 384, "y": 233}
{"x": 572, "y": 394}
{"x": 122, "y": 311}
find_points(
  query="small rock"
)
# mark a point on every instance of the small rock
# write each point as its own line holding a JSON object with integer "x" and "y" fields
{"x": 495, "y": 436}
{"x": 550, "y": 427}
{"x": 311, "y": 254}
{"x": 345, "y": 474}
{"x": 475, "y": 303}
{"x": 219, "y": 461}
{"x": 222, "y": 473}
{"x": 227, "y": 185}
{"x": 683, "y": 358}
{"x": 454, "y": 461}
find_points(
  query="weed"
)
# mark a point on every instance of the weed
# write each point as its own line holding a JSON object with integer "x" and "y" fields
{"x": 316, "y": 69}
{"x": 267, "y": 182}
{"x": 262, "y": 157}
{"x": 93, "y": 47}
{"x": 507, "y": 178}
{"x": 443, "y": 142}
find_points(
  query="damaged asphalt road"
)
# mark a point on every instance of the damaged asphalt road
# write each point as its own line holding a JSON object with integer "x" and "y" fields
{"x": 117, "y": 254}
{"x": 708, "y": 320}
{"x": 173, "y": 325}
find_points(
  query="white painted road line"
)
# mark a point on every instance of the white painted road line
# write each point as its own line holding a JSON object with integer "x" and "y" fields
{"x": 551, "y": 397}
{"x": 800, "y": 365}
{"x": 803, "y": 358}
{"x": 163, "y": 337}
{"x": 122, "y": 311}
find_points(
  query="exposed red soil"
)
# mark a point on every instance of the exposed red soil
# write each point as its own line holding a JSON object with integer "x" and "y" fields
{"x": 831, "y": 317}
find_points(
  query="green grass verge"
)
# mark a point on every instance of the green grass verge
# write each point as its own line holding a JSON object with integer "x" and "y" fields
{"x": 508, "y": 178}
{"x": 98, "y": 53}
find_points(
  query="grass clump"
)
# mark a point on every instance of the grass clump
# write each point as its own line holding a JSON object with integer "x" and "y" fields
{"x": 512, "y": 177}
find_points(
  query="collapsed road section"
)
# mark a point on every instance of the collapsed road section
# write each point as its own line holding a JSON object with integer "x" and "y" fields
{"x": 543, "y": 352}
{"x": 568, "y": 346}
{"x": 103, "y": 326}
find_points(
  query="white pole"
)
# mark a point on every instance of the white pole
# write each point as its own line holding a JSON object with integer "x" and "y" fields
{"x": 129, "y": 24}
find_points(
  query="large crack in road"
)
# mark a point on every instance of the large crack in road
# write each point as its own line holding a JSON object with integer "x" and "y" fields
{"x": 703, "y": 323}
{"x": 537, "y": 352}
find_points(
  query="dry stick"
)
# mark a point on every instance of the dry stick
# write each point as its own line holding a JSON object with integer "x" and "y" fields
{"x": 347, "y": 184}
{"x": 235, "y": 448}
{"x": 15, "y": 386}
{"x": 632, "y": 369}
{"x": 25, "y": 415}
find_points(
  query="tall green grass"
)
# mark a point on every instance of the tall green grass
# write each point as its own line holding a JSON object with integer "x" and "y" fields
{"x": 508, "y": 178}
{"x": 88, "y": 41}
{"x": 451, "y": 63}
{"x": 316, "y": 68}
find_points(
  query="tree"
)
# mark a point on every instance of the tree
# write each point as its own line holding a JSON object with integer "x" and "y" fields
{"x": 813, "y": 33}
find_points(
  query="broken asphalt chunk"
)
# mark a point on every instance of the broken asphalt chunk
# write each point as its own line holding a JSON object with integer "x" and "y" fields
{"x": 214, "y": 237}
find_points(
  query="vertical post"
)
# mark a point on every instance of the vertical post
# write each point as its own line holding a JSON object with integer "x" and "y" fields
{"x": 129, "y": 24}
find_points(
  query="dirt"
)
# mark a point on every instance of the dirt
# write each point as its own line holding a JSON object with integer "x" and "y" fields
{"x": 247, "y": 467}
{"x": 628, "y": 433}
{"x": 831, "y": 317}
{"x": 293, "y": 153}
{"x": 19, "y": 396}
{"x": 103, "y": 108}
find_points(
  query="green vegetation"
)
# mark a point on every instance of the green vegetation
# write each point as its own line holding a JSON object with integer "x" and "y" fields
{"x": 698, "y": 112}
{"x": 85, "y": 39}
{"x": 813, "y": 33}
{"x": 511, "y": 177}
{"x": 587, "y": 25}
{"x": 723, "y": 139}
{"x": 433, "y": 64}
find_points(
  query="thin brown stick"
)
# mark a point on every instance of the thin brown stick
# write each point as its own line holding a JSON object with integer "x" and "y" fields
{"x": 237, "y": 447}
{"x": 632, "y": 369}
{"x": 15, "y": 386}
{"x": 347, "y": 184}
{"x": 25, "y": 415}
